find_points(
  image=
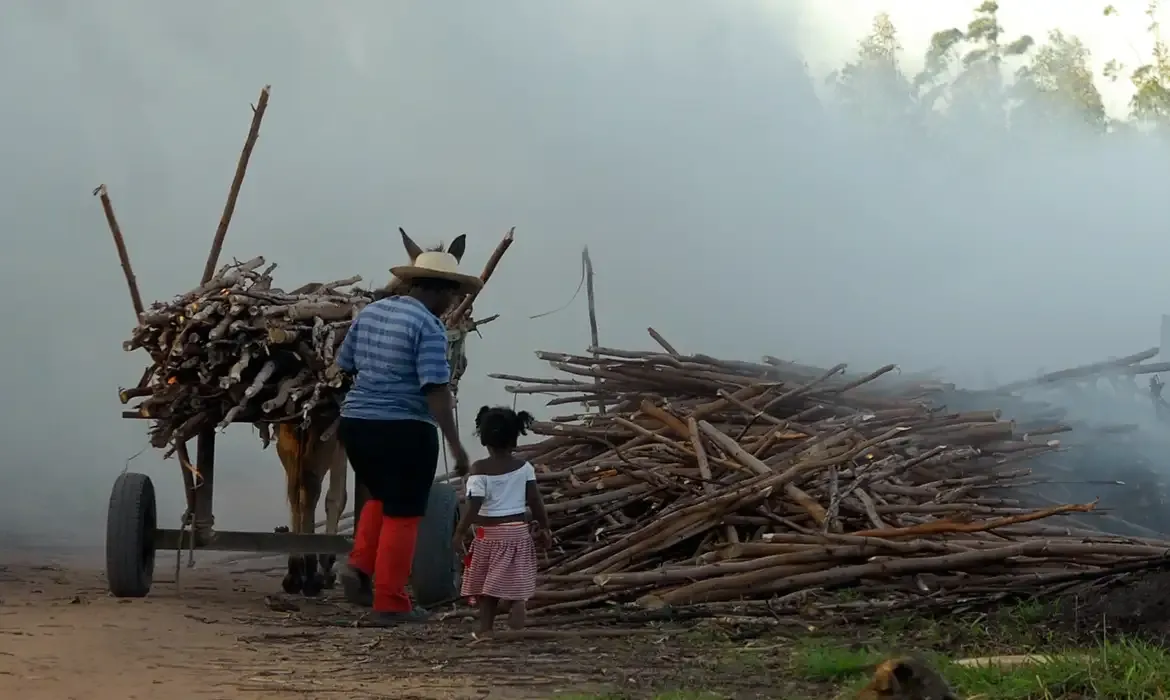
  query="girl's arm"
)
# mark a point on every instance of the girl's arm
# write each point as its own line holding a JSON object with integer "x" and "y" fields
{"x": 535, "y": 501}
{"x": 536, "y": 505}
{"x": 476, "y": 491}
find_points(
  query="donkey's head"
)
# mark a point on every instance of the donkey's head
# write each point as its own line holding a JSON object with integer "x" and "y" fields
{"x": 455, "y": 249}
{"x": 439, "y": 294}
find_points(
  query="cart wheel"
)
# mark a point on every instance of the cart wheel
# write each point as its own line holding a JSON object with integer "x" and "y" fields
{"x": 130, "y": 527}
{"x": 435, "y": 576}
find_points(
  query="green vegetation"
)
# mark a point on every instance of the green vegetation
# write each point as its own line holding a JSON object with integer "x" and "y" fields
{"x": 984, "y": 73}
{"x": 835, "y": 663}
{"x": 1121, "y": 669}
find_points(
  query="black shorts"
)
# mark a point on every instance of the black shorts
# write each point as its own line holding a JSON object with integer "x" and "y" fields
{"x": 395, "y": 460}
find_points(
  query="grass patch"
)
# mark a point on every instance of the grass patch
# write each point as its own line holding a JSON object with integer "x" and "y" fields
{"x": 670, "y": 695}
{"x": 1125, "y": 668}
{"x": 820, "y": 661}
{"x": 1119, "y": 668}
{"x": 836, "y": 660}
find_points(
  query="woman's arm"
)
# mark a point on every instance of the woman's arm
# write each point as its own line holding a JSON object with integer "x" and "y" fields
{"x": 434, "y": 377}
{"x": 346, "y": 354}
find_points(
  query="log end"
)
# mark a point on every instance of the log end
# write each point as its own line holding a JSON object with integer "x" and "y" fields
{"x": 652, "y": 602}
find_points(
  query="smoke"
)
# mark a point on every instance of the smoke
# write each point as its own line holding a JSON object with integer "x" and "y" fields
{"x": 685, "y": 143}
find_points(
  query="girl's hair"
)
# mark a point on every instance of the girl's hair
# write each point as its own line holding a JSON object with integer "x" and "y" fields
{"x": 499, "y": 427}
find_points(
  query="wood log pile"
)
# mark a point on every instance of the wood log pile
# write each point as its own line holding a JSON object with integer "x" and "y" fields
{"x": 239, "y": 349}
{"x": 1117, "y": 444}
{"x": 698, "y": 480}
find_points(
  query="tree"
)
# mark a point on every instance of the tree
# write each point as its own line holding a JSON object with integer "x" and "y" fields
{"x": 1150, "y": 104}
{"x": 975, "y": 75}
{"x": 964, "y": 71}
{"x": 873, "y": 86}
{"x": 1057, "y": 84}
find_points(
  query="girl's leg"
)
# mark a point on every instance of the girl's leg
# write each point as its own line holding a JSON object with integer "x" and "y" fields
{"x": 488, "y": 606}
{"x": 518, "y": 615}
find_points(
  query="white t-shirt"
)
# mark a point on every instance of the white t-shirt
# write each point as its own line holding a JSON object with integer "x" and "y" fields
{"x": 502, "y": 494}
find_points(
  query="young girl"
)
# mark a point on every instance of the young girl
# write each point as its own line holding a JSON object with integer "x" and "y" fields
{"x": 500, "y": 489}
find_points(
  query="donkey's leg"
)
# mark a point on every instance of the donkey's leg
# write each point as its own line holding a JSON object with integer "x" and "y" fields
{"x": 294, "y": 580}
{"x": 335, "y": 499}
{"x": 314, "y": 581}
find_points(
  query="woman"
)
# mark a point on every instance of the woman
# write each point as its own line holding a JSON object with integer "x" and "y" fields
{"x": 397, "y": 350}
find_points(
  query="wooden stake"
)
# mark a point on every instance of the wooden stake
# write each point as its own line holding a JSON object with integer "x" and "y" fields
{"x": 234, "y": 193}
{"x": 120, "y": 243}
{"x": 464, "y": 305}
{"x": 593, "y": 342}
{"x": 661, "y": 341}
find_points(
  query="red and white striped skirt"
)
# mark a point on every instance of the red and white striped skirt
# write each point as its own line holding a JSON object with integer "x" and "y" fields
{"x": 502, "y": 563}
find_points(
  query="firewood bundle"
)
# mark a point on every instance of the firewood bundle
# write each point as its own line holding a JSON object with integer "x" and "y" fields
{"x": 700, "y": 480}
{"x": 239, "y": 349}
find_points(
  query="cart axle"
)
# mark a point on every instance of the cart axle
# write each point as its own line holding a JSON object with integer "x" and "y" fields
{"x": 259, "y": 542}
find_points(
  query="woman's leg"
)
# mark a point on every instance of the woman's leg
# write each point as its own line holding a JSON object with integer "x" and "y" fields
{"x": 392, "y": 570}
{"x": 367, "y": 521}
{"x": 366, "y": 536}
{"x": 359, "y": 438}
{"x": 412, "y": 457}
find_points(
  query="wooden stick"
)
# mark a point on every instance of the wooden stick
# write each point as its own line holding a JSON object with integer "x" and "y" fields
{"x": 234, "y": 192}
{"x": 1081, "y": 371}
{"x": 120, "y": 244}
{"x": 661, "y": 341}
{"x": 592, "y": 303}
{"x": 502, "y": 247}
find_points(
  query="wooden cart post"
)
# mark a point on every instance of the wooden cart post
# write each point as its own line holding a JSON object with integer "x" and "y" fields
{"x": 204, "y": 516}
{"x": 203, "y": 519}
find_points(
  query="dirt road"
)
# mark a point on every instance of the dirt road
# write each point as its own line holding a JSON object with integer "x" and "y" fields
{"x": 229, "y": 635}
{"x": 62, "y": 636}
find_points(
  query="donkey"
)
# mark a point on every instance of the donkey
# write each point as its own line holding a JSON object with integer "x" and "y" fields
{"x": 307, "y": 460}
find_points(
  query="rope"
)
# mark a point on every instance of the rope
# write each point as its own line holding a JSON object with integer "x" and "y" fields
{"x": 580, "y": 286}
{"x": 446, "y": 464}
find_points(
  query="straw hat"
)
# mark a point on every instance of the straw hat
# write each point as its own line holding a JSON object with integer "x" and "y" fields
{"x": 436, "y": 264}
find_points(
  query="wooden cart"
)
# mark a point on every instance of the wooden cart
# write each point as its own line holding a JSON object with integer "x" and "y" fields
{"x": 133, "y": 536}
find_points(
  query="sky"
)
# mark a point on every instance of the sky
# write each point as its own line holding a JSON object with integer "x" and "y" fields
{"x": 683, "y": 142}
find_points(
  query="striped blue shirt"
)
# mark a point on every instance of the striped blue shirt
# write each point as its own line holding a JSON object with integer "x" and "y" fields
{"x": 395, "y": 347}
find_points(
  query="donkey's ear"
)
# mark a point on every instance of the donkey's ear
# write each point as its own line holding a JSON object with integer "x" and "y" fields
{"x": 458, "y": 246}
{"x": 412, "y": 248}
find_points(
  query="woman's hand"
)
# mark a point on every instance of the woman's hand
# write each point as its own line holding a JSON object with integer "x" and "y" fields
{"x": 462, "y": 461}
{"x": 544, "y": 538}
{"x": 460, "y": 548}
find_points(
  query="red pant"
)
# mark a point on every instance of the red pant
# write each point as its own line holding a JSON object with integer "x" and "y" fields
{"x": 383, "y": 547}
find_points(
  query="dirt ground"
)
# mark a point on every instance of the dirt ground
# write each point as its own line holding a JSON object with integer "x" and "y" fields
{"x": 230, "y": 634}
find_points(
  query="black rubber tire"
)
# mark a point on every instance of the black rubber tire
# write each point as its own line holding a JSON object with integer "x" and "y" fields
{"x": 436, "y": 574}
{"x": 130, "y": 528}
